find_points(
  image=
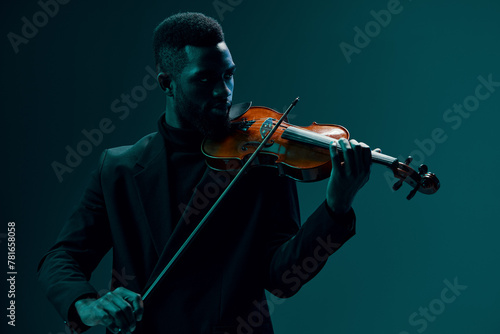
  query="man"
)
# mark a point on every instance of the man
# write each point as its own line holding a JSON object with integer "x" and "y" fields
{"x": 141, "y": 204}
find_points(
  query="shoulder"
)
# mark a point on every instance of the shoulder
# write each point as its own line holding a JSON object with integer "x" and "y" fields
{"x": 134, "y": 150}
{"x": 129, "y": 155}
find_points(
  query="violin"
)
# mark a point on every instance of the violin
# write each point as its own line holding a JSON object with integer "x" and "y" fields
{"x": 301, "y": 153}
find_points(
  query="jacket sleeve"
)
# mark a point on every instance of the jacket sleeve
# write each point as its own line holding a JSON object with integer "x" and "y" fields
{"x": 64, "y": 271}
{"x": 296, "y": 253}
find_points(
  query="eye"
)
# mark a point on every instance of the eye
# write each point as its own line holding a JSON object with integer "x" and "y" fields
{"x": 229, "y": 75}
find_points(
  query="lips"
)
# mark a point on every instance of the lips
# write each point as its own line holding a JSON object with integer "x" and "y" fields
{"x": 222, "y": 106}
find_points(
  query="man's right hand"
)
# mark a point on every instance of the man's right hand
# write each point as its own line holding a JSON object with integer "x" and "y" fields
{"x": 117, "y": 310}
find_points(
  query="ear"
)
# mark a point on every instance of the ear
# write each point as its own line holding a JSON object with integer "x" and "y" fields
{"x": 165, "y": 81}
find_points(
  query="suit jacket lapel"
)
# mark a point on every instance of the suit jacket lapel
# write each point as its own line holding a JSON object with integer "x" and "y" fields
{"x": 152, "y": 186}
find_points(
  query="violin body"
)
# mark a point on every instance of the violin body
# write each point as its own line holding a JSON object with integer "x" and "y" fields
{"x": 299, "y": 161}
{"x": 301, "y": 153}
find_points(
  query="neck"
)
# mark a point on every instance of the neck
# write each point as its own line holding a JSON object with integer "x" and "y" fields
{"x": 312, "y": 138}
{"x": 171, "y": 117}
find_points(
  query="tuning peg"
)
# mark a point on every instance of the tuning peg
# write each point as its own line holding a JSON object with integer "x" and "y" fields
{"x": 412, "y": 193}
{"x": 422, "y": 169}
{"x": 397, "y": 185}
{"x": 408, "y": 160}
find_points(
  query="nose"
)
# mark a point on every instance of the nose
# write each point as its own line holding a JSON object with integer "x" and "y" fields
{"x": 223, "y": 89}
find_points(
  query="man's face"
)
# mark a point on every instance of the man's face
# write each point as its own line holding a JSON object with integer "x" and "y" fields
{"x": 203, "y": 90}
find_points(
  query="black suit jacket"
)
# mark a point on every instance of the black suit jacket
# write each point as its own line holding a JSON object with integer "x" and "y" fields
{"x": 253, "y": 242}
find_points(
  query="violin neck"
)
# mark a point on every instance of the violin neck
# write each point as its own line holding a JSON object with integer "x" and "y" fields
{"x": 309, "y": 137}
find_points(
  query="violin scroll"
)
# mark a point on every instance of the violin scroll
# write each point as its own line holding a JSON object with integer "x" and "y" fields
{"x": 422, "y": 181}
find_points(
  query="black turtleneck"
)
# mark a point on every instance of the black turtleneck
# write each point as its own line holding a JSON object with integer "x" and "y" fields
{"x": 185, "y": 164}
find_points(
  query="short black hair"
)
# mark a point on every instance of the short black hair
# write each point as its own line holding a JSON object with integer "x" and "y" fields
{"x": 175, "y": 32}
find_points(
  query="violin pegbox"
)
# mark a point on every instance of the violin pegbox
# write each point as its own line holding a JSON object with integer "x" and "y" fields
{"x": 422, "y": 181}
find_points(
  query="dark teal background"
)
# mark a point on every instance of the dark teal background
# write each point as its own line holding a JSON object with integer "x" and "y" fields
{"x": 392, "y": 94}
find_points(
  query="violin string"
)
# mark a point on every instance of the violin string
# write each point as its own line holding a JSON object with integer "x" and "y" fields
{"x": 309, "y": 137}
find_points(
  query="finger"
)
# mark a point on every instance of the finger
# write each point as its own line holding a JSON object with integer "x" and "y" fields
{"x": 378, "y": 150}
{"x": 125, "y": 311}
{"x": 114, "y": 320}
{"x": 116, "y": 308}
{"x": 134, "y": 299}
{"x": 348, "y": 156}
{"x": 335, "y": 154}
{"x": 137, "y": 306}
{"x": 108, "y": 321}
{"x": 357, "y": 157}
{"x": 113, "y": 328}
{"x": 366, "y": 157}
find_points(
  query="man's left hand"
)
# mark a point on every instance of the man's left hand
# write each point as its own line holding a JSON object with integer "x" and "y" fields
{"x": 351, "y": 163}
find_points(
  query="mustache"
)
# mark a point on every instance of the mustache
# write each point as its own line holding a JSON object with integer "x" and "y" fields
{"x": 221, "y": 103}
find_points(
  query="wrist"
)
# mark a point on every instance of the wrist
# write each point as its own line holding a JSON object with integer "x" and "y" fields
{"x": 346, "y": 220}
{"x": 74, "y": 321}
{"x": 78, "y": 309}
{"x": 337, "y": 207}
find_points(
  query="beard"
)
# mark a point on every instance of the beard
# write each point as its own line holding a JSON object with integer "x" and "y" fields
{"x": 211, "y": 120}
